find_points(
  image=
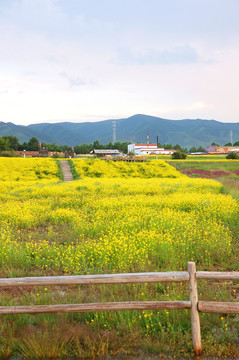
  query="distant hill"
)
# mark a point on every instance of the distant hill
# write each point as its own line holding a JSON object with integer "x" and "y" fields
{"x": 185, "y": 132}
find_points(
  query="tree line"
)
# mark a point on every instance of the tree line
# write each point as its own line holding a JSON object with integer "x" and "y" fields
{"x": 8, "y": 143}
{"x": 12, "y": 143}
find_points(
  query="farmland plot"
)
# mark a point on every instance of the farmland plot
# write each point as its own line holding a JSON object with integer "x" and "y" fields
{"x": 117, "y": 218}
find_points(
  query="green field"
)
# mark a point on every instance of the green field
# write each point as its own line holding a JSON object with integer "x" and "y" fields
{"x": 208, "y": 169}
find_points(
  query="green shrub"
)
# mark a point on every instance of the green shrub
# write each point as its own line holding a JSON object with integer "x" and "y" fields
{"x": 179, "y": 155}
{"x": 232, "y": 155}
{"x": 8, "y": 153}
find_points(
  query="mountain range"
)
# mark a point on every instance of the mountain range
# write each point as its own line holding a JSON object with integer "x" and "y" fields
{"x": 187, "y": 132}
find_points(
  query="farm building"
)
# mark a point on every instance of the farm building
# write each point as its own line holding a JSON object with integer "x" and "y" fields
{"x": 221, "y": 150}
{"x": 148, "y": 149}
{"x": 105, "y": 152}
{"x": 143, "y": 149}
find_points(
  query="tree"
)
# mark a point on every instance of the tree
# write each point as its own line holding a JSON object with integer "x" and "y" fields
{"x": 228, "y": 144}
{"x": 201, "y": 149}
{"x": 13, "y": 142}
{"x": 193, "y": 149}
{"x": 66, "y": 148}
{"x": 87, "y": 148}
{"x": 4, "y": 144}
{"x": 236, "y": 143}
{"x": 82, "y": 149}
{"x": 43, "y": 145}
{"x": 23, "y": 146}
{"x": 120, "y": 146}
{"x": 178, "y": 147}
{"x": 53, "y": 147}
{"x": 96, "y": 145}
{"x": 168, "y": 146}
{"x": 178, "y": 155}
{"x": 214, "y": 144}
{"x": 33, "y": 144}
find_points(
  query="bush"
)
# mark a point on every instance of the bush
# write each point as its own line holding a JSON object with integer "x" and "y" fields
{"x": 55, "y": 156}
{"x": 8, "y": 153}
{"x": 232, "y": 155}
{"x": 178, "y": 155}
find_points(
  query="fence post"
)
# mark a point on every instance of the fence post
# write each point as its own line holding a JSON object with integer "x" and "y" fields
{"x": 195, "y": 321}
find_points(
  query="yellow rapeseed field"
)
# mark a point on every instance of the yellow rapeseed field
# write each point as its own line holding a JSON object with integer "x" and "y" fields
{"x": 112, "y": 169}
{"x": 120, "y": 217}
{"x": 28, "y": 169}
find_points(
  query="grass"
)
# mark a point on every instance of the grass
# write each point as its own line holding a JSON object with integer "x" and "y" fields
{"x": 59, "y": 173}
{"x": 230, "y": 187}
{"x": 75, "y": 174}
{"x": 102, "y": 334}
{"x": 228, "y": 169}
{"x": 189, "y": 157}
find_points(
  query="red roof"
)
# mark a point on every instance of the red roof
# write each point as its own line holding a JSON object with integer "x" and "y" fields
{"x": 146, "y": 144}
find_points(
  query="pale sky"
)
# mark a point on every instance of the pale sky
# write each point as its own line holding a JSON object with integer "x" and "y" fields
{"x": 89, "y": 60}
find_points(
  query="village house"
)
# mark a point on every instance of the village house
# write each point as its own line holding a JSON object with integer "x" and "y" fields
{"x": 221, "y": 150}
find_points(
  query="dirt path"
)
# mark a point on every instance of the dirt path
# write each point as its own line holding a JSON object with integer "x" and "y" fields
{"x": 66, "y": 171}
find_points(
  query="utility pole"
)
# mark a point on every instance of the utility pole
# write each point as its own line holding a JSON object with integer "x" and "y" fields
{"x": 114, "y": 131}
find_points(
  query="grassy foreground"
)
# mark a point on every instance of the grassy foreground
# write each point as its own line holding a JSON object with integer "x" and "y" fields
{"x": 117, "y": 218}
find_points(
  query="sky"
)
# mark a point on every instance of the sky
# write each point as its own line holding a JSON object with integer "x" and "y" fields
{"x": 91, "y": 60}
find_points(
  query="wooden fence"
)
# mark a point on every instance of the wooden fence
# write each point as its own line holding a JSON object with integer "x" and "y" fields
{"x": 176, "y": 276}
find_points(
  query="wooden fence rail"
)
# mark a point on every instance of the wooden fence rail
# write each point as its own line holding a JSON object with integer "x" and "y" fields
{"x": 175, "y": 276}
{"x": 98, "y": 279}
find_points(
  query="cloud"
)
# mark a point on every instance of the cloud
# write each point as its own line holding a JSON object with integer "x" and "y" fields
{"x": 35, "y": 15}
{"x": 21, "y": 92}
{"x": 29, "y": 73}
{"x": 59, "y": 57}
{"x": 184, "y": 54}
{"x": 77, "y": 81}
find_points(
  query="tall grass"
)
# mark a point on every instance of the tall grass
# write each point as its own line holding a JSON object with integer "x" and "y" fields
{"x": 230, "y": 187}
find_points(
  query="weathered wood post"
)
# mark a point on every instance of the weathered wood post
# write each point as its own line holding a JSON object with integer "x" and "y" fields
{"x": 195, "y": 321}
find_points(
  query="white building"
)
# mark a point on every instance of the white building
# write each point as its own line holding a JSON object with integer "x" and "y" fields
{"x": 148, "y": 149}
{"x": 144, "y": 149}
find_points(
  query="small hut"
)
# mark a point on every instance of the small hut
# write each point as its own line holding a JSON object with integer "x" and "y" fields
{"x": 43, "y": 152}
{"x": 69, "y": 154}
